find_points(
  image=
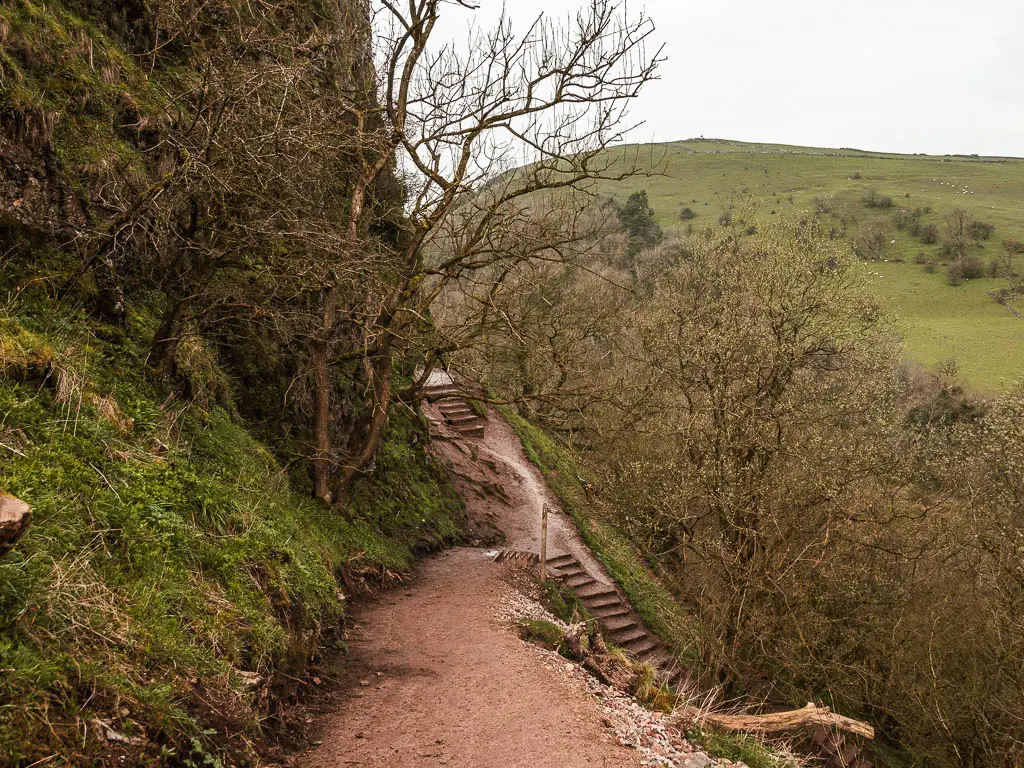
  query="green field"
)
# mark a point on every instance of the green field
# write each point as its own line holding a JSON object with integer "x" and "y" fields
{"x": 758, "y": 182}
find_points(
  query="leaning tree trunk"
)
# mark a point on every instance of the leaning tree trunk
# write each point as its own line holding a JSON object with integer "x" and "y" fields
{"x": 164, "y": 348}
{"x": 362, "y": 452}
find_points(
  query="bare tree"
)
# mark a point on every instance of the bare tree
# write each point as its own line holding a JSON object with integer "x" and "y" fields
{"x": 957, "y": 238}
{"x": 479, "y": 134}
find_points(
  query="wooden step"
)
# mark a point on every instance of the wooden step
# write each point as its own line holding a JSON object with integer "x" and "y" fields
{"x": 459, "y": 421}
{"x": 594, "y": 590}
{"x": 626, "y": 635}
{"x": 657, "y": 657}
{"x": 640, "y": 645}
{"x": 600, "y": 601}
{"x": 568, "y": 572}
{"x": 618, "y": 623}
{"x": 516, "y": 555}
{"x": 561, "y": 561}
{"x": 477, "y": 431}
{"x": 433, "y": 389}
{"x": 454, "y": 413}
{"x": 610, "y": 611}
{"x": 436, "y": 393}
{"x": 579, "y": 580}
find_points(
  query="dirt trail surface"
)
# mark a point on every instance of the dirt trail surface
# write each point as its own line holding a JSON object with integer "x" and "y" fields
{"x": 505, "y": 490}
{"x": 442, "y": 682}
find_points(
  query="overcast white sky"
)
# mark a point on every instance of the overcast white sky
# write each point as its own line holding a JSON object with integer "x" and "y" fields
{"x": 936, "y": 76}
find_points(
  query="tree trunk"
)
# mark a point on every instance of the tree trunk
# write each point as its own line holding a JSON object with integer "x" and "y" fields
{"x": 363, "y": 452}
{"x": 319, "y": 353}
{"x": 780, "y": 722}
{"x": 164, "y": 348}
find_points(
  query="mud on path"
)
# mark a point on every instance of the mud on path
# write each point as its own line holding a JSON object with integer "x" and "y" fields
{"x": 436, "y": 679}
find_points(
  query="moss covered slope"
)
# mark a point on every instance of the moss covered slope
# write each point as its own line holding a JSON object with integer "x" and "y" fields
{"x": 173, "y": 583}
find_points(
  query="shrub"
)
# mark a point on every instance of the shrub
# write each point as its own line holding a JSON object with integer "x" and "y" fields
{"x": 823, "y": 204}
{"x": 875, "y": 199}
{"x": 920, "y": 258}
{"x": 904, "y": 218}
{"x": 928, "y": 234}
{"x": 725, "y": 219}
{"x": 687, "y": 214}
{"x": 872, "y": 240}
{"x": 1013, "y": 246}
{"x": 946, "y": 407}
{"x": 980, "y": 230}
{"x": 967, "y": 268}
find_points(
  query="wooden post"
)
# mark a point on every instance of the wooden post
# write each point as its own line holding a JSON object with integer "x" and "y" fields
{"x": 543, "y": 542}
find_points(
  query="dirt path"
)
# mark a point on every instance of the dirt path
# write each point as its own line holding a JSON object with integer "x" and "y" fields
{"x": 442, "y": 682}
{"x": 435, "y": 678}
{"x": 497, "y": 459}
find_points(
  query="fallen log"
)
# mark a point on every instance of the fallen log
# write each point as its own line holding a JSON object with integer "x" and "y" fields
{"x": 778, "y": 722}
{"x": 14, "y": 519}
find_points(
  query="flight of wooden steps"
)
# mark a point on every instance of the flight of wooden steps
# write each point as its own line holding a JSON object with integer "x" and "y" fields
{"x": 455, "y": 410}
{"x": 619, "y": 624}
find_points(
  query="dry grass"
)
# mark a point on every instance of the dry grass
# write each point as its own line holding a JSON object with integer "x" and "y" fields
{"x": 110, "y": 412}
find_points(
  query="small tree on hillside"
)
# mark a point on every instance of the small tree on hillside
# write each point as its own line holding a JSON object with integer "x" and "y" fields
{"x": 928, "y": 233}
{"x": 1011, "y": 248}
{"x": 872, "y": 240}
{"x": 875, "y": 199}
{"x": 980, "y": 230}
{"x": 957, "y": 236}
{"x": 637, "y": 219}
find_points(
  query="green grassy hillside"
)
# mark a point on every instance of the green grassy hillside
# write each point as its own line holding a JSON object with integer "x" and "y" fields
{"x": 173, "y": 582}
{"x": 758, "y": 182}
